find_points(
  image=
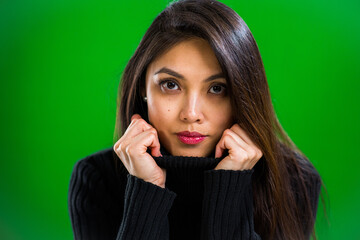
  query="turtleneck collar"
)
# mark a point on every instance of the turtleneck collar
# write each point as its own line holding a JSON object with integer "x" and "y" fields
{"x": 170, "y": 162}
{"x": 185, "y": 174}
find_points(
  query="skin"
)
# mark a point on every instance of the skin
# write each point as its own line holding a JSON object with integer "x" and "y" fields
{"x": 185, "y": 91}
{"x": 189, "y": 103}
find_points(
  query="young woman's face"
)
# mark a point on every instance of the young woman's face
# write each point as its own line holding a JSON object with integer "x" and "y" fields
{"x": 186, "y": 93}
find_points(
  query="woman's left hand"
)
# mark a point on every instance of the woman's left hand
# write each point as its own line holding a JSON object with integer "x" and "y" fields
{"x": 243, "y": 153}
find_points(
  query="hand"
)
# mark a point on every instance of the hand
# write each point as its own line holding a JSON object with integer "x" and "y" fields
{"x": 243, "y": 153}
{"x": 132, "y": 150}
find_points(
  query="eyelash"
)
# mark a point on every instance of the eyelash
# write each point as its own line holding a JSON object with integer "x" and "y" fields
{"x": 161, "y": 83}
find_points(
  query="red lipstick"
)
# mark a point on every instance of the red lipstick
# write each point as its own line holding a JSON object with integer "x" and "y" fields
{"x": 190, "y": 137}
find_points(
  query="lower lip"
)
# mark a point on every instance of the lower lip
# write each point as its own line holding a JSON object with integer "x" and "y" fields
{"x": 190, "y": 140}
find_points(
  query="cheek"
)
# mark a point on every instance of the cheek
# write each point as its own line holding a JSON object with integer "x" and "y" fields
{"x": 222, "y": 116}
{"x": 160, "y": 112}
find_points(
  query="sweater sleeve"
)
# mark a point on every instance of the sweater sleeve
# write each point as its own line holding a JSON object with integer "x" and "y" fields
{"x": 93, "y": 209}
{"x": 228, "y": 205}
{"x": 145, "y": 211}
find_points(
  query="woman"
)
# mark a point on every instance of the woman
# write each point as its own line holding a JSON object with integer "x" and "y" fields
{"x": 199, "y": 152}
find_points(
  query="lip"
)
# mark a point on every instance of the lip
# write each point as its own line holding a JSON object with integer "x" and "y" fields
{"x": 190, "y": 137}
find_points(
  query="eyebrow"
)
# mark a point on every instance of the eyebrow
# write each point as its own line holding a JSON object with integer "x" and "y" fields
{"x": 178, "y": 75}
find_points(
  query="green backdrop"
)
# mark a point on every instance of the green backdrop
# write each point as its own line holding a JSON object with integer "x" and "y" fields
{"x": 60, "y": 65}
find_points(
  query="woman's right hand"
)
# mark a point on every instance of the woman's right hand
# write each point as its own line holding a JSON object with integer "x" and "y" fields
{"x": 132, "y": 150}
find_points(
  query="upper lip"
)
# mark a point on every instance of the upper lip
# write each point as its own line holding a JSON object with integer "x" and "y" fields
{"x": 190, "y": 134}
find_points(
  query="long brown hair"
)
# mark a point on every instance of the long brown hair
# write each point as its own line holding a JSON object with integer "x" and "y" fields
{"x": 282, "y": 205}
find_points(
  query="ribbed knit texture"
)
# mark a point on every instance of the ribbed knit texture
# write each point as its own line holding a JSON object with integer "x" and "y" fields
{"x": 197, "y": 202}
{"x": 227, "y": 205}
{"x": 146, "y": 208}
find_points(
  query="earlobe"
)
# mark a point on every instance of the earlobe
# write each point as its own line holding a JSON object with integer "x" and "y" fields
{"x": 143, "y": 95}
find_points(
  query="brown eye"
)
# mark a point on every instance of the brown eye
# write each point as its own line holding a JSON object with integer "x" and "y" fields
{"x": 217, "y": 89}
{"x": 170, "y": 85}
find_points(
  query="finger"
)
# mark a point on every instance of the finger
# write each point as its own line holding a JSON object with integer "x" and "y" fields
{"x": 148, "y": 139}
{"x": 121, "y": 154}
{"x": 251, "y": 147}
{"x": 228, "y": 132}
{"x": 221, "y": 146}
{"x": 241, "y": 132}
{"x": 155, "y": 147}
{"x": 218, "y": 150}
{"x": 135, "y": 116}
{"x": 238, "y": 157}
{"x": 229, "y": 143}
{"x": 239, "y": 140}
{"x": 133, "y": 119}
{"x": 251, "y": 150}
{"x": 137, "y": 126}
{"x": 228, "y": 163}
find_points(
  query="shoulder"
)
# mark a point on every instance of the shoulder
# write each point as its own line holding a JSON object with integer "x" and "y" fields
{"x": 96, "y": 187}
{"x": 307, "y": 169}
{"x": 101, "y": 160}
{"x": 298, "y": 165}
{"x": 99, "y": 166}
{"x": 302, "y": 173}
{"x": 304, "y": 178}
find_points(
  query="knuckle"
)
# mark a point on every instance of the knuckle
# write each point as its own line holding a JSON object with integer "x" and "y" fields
{"x": 234, "y": 126}
{"x": 134, "y": 123}
{"x": 153, "y": 131}
{"x": 245, "y": 157}
{"x": 252, "y": 153}
{"x": 227, "y": 132}
{"x": 115, "y": 147}
{"x": 119, "y": 147}
{"x": 128, "y": 149}
{"x": 135, "y": 119}
{"x": 142, "y": 122}
{"x": 123, "y": 147}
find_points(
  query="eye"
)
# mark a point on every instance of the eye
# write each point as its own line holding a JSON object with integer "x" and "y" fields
{"x": 217, "y": 89}
{"x": 169, "y": 84}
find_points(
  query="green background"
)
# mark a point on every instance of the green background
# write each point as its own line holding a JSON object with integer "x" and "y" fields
{"x": 60, "y": 65}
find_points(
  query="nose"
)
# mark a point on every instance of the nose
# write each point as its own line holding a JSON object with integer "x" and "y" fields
{"x": 191, "y": 110}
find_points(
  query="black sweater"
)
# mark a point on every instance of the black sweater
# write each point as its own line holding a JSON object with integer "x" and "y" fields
{"x": 105, "y": 202}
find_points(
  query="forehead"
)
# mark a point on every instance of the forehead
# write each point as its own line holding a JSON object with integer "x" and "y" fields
{"x": 193, "y": 55}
